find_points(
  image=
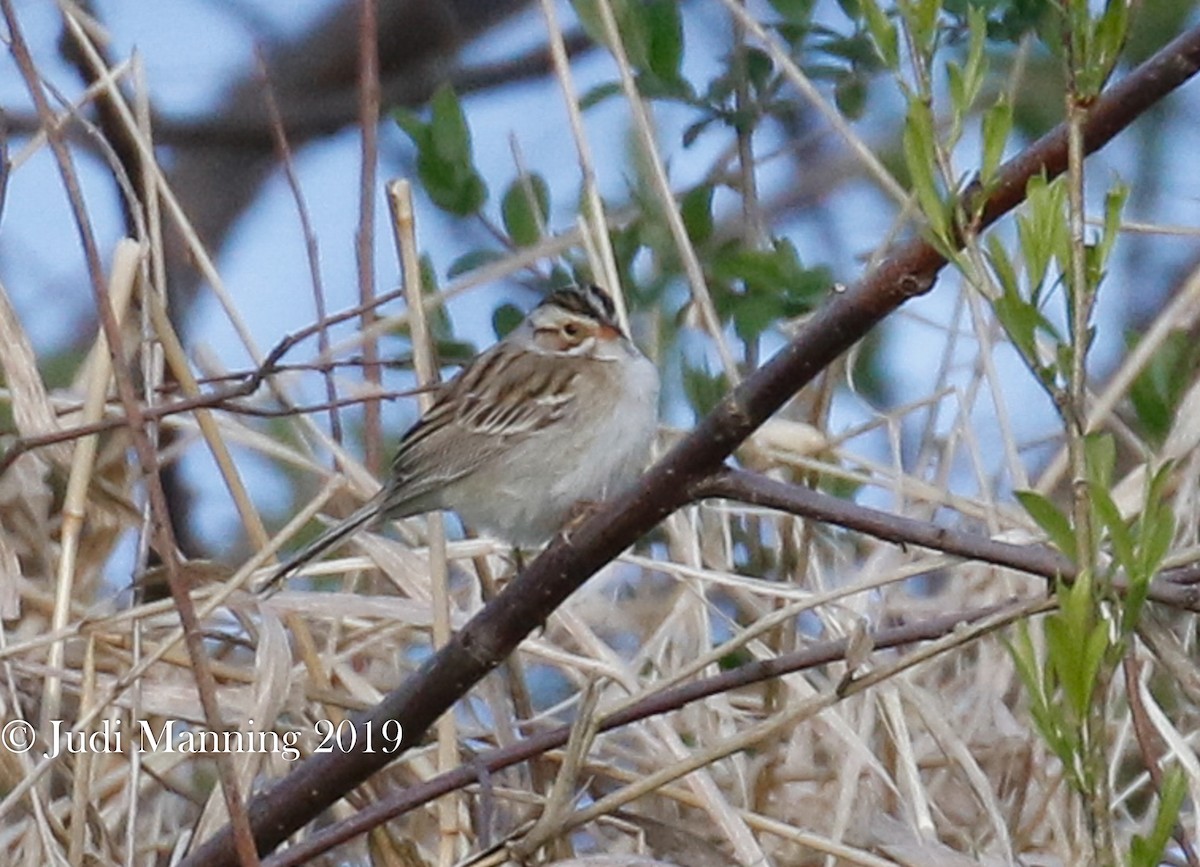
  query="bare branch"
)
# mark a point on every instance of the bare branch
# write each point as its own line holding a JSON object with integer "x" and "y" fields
{"x": 1040, "y": 560}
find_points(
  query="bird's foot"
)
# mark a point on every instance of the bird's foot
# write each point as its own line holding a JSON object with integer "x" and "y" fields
{"x": 580, "y": 512}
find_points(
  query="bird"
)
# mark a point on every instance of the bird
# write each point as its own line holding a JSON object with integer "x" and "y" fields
{"x": 559, "y": 415}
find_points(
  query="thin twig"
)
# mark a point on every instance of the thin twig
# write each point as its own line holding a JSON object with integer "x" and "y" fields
{"x": 364, "y": 236}
{"x": 1040, "y": 560}
{"x": 221, "y": 399}
{"x": 311, "y": 247}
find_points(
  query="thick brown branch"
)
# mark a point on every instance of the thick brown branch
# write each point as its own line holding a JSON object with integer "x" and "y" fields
{"x": 530, "y": 598}
{"x": 309, "y": 120}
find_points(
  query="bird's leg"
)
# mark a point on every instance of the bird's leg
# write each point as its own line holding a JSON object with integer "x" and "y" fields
{"x": 580, "y": 512}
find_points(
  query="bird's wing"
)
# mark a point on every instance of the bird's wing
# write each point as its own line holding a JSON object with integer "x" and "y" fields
{"x": 505, "y": 396}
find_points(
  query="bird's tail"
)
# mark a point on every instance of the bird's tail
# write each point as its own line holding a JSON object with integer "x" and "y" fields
{"x": 330, "y": 538}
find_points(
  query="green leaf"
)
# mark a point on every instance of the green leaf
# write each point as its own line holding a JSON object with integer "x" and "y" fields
{"x": 1016, "y": 20}
{"x": 1034, "y": 246}
{"x": 472, "y": 260}
{"x": 696, "y": 210}
{"x": 1076, "y": 643}
{"x": 883, "y": 34}
{"x": 1114, "y": 205}
{"x": 588, "y": 13}
{"x": 1159, "y": 388}
{"x": 1040, "y": 683}
{"x": 1157, "y": 491}
{"x": 850, "y": 8}
{"x": 653, "y": 87}
{"x": 975, "y": 69}
{"x": 1060, "y": 656}
{"x": 920, "y": 154}
{"x": 1042, "y": 229}
{"x": 922, "y": 18}
{"x": 1158, "y": 531}
{"x": 454, "y": 351}
{"x": 413, "y": 126}
{"x": 598, "y": 94}
{"x": 1048, "y": 516}
{"x": 1153, "y": 532}
{"x": 703, "y": 389}
{"x": 1077, "y": 611}
{"x": 630, "y": 24}
{"x": 1028, "y": 667}
{"x": 1002, "y": 265}
{"x": 505, "y": 318}
{"x": 664, "y": 32}
{"x": 461, "y": 194}
{"x": 1118, "y": 532}
{"x": 1020, "y": 320}
{"x": 1095, "y": 648}
{"x": 437, "y": 317}
{"x": 634, "y": 26}
{"x": 759, "y": 69}
{"x": 794, "y": 11}
{"x": 524, "y": 208}
{"x": 1149, "y": 851}
{"x": 1100, "y": 457}
{"x": 451, "y": 139}
{"x": 1107, "y": 40}
{"x": 997, "y": 125}
{"x": 850, "y": 94}
{"x": 958, "y": 89}
{"x": 855, "y": 48}
{"x": 444, "y": 159}
{"x": 774, "y": 283}
{"x": 1150, "y": 404}
{"x": 735, "y": 659}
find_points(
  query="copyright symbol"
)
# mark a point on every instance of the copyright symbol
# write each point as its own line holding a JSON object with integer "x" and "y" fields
{"x": 17, "y": 736}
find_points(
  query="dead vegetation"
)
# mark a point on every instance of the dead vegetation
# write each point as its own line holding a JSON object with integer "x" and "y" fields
{"x": 772, "y": 689}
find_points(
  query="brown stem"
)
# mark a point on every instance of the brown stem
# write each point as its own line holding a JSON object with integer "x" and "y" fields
{"x": 1040, "y": 560}
{"x": 364, "y": 237}
{"x": 252, "y": 382}
{"x": 1151, "y": 746}
{"x": 311, "y": 248}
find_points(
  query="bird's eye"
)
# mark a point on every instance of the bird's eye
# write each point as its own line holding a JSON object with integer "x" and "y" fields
{"x": 572, "y": 330}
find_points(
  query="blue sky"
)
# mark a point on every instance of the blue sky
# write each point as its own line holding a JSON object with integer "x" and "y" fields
{"x": 264, "y": 263}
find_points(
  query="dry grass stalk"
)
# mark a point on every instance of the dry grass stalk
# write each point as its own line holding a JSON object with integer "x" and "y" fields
{"x": 911, "y": 756}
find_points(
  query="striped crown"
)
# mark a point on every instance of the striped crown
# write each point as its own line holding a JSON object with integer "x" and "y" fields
{"x": 590, "y": 301}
